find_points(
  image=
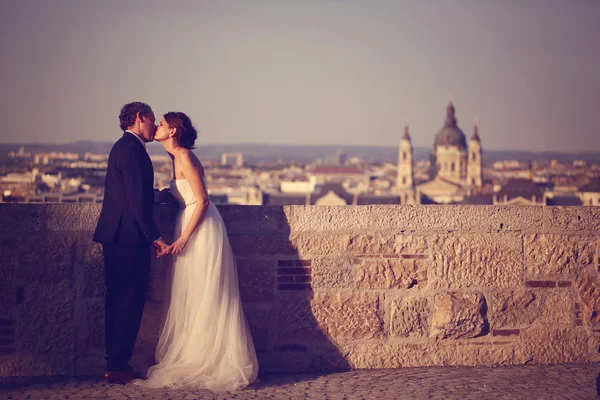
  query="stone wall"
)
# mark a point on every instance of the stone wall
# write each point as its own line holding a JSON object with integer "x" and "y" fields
{"x": 328, "y": 288}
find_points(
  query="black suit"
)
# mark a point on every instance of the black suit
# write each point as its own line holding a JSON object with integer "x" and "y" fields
{"x": 126, "y": 230}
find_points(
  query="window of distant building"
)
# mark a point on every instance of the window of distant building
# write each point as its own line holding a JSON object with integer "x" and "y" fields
{"x": 472, "y": 181}
{"x": 452, "y": 167}
{"x": 404, "y": 156}
{"x": 474, "y": 156}
{"x": 404, "y": 180}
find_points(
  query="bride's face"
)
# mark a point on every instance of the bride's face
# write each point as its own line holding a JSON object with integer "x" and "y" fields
{"x": 163, "y": 131}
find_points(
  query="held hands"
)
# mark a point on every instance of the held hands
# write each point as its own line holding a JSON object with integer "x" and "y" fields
{"x": 162, "y": 248}
{"x": 178, "y": 246}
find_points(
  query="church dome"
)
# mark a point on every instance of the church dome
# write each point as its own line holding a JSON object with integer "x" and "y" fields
{"x": 450, "y": 134}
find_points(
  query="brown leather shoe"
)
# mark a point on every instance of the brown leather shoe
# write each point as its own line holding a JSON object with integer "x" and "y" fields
{"x": 122, "y": 377}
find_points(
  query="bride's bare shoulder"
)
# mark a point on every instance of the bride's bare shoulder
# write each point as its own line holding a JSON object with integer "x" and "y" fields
{"x": 188, "y": 156}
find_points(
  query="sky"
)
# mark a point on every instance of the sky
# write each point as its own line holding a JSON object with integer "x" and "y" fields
{"x": 347, "y": 72}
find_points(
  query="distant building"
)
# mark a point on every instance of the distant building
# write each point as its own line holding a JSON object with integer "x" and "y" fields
{"x": 232, "y": 159}
{"x": 590, "y": 193}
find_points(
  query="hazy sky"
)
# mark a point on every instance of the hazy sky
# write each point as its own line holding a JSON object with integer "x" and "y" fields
{"x": 305, "y": 71}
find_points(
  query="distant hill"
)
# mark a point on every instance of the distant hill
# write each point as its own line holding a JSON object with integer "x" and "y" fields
{"x": 254, "y": 152}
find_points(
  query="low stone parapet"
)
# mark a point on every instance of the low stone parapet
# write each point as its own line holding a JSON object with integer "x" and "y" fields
{"x": 327, "y": 288}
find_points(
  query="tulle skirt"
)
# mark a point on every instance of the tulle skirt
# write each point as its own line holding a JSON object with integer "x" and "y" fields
{"x": 205, "y": 342}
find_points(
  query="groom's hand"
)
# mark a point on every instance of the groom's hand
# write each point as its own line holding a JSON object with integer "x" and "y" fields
{"x": 162, "y": 248}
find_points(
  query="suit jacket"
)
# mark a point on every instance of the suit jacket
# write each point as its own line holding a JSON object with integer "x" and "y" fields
{"x": 127, "y": 210}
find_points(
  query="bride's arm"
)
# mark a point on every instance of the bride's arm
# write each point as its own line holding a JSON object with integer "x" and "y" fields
{"x": 190, "y": 167}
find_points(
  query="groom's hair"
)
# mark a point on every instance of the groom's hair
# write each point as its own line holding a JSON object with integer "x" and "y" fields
{"x": 130, "y": 111}
{"x": 186, "y": 133}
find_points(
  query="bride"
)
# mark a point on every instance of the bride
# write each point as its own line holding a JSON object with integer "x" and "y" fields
{"x": 205, "y": 342}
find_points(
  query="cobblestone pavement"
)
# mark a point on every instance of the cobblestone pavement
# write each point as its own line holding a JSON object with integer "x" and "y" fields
{"x": 568, "y": 381}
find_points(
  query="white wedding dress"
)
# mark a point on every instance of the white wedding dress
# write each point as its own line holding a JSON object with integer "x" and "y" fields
{"x": 205, "y": 342}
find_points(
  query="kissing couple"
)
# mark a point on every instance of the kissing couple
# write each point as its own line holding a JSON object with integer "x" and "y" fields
{"x": 205, "y": 342}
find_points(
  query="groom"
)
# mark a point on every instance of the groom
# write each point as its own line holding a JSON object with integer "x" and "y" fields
{"x": 127, "y": 231}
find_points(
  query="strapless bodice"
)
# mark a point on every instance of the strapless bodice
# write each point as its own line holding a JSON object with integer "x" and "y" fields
{"x": 181, "y": 189}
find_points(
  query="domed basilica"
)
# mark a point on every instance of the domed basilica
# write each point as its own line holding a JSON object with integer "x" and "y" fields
{"x": 456, "y": 167}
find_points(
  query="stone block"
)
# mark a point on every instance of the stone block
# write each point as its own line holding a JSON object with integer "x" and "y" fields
{"x": 73, "y": 217}
{"x": 21, "y": 218}
{"x": 410, "y": 317}
{"x": 390, "y": 274}
{"x": 404, "y": 355}
{"x": 327, "y": 218}
{"x": 7, "y": 272}
{"x": 549, "y": 254}
{"x": 94, "y": 318}
{"x": 470, "y": 260}
{"x": 145, "y": 345}
{"x": 259, "y": 220}
{"x": 45, "y": 259}
{"x": 92, "y": 263}
{"x": 588, "y": 290}
{"x": 283, "y": 362}
{"x": 45, "y": 321}
{"x": 550, "y": 345}
{"x": 369, "y": 244}
{"x": 458, "y": 316}
{"x": 523, "y": 307}
{"x": 37, "y": 365}
{"x": 333, "y": 272}
{"x": 299, "y": 245}
{"x": 90, "y": 365}
{"x": 594, "y": 347}
{"x": 413, "y": 218}
{"x": 339, "y": 315}
{"x": 261, "y": 323}
{"x": 256, "y": 280}
{"x": 488, "y": 354}
{"x": 571, "y": 219}
{"x": 327, "y": 358}
{"x": 410, "y": 244}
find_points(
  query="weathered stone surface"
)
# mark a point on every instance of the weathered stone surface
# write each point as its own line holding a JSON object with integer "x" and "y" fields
{"x": 145, "y": 345}
{"x": 521, "y": 307}
{"x": 594, "y": 347}
{"x": 458, "y": 316}
{"x": 410, "y": 317}
{"x": 90, "y": 364}
{"x": 478, "y": 354}
{"x": 327, "y": 218}
{"x": 94, "y": 319}
{"x": 283, "y": 361}
{"x": 571, "y": 219}
{"x": 383, "y": 355}
{"x": 45, "y": 259}
{"x": 21, "y": 218}
{"x": 255, "y": 220}
{"x": 73, "y": 216}
{"x": 343, "y": 315}
{"x": 470, "y": 260}
{"x": 160, "y": 279}
{"x": 256, "y": 280}
{"x": 328, "y": 358}
{"x": 558, "y": 254}
{"x": 7, "y": 272}
{"x": 261, "y": 322}
{"x": 390, "y": 274}
{"x": 549, "y": 345}
{"x": 301, "y": 245}
{"x": 369, "y": 244}
{"x": 333, "y": 272}
{"x": 93, "y": 269}
{"x": 410, "y": 244}
{"x": 47, "y": 312}
{"x": 31, "y": 365}
{"x": 588, "y": 289}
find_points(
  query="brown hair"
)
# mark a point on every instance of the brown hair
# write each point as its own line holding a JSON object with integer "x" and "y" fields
{"x": 186, "y": 133}
{"x": 130, "y": 111}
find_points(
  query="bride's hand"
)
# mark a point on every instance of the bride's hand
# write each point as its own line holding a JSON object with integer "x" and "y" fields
{"x": 178, "y": 246}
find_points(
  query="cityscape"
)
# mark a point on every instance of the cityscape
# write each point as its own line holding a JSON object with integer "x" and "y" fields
{"x": 454, "y": 171}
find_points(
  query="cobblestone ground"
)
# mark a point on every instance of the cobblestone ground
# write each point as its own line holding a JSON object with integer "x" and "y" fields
{"x": 568, "y": 381}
